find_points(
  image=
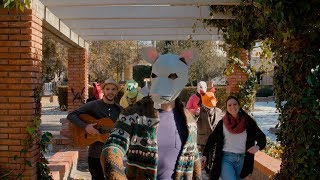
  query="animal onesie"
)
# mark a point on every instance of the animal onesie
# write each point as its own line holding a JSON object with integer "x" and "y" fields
{"x": 208, "y": 118}
{"x": 131, "y": 94}
{"x": 194, "y": 101}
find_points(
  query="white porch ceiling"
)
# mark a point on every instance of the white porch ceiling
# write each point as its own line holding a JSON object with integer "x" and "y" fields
{"x": 88, "y": 20}
{"x": 55, "y": 3}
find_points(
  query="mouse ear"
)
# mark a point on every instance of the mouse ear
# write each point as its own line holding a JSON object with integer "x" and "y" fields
{"x": 190, "y": 56}
{"x": 150, "y": 54}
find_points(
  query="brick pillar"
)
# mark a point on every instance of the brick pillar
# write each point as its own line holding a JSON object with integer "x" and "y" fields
{"x": 128, "y": 72}
{"x": 77, "y": 77}
{"x": 20, "y": 74}
{"x": 237, "y": 76}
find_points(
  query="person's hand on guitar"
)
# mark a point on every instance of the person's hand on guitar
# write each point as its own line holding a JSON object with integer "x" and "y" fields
{"x": 91, "y": 130}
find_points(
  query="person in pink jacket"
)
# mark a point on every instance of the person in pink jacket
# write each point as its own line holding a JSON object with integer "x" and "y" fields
{"x": 194, "y": 102}
{"x": 97, "y": 91}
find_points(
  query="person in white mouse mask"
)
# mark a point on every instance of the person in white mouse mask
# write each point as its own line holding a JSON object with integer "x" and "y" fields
{"x": 158, "y": 135}
{"x": 194, "y": 102}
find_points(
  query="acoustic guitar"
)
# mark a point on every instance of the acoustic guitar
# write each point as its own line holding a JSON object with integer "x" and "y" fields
{"x": 82, "y": 139}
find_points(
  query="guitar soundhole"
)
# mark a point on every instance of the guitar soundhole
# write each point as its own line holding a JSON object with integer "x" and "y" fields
{"x": 86, "y": 136}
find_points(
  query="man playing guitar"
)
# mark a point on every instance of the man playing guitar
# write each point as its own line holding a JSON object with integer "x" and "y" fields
{"x": 101, "y": 108}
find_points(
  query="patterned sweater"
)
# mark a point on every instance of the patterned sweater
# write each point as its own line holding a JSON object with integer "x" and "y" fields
{"x": 134, "y": 135}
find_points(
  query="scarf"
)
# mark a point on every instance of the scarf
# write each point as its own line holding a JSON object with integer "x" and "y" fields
{"x": 234, "y": 125}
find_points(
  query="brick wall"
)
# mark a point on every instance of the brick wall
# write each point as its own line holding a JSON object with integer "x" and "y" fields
{"x": 77, "y": 77}
{"x": 238, "y": 76}
{"x": 265, "y": 166}
{"x": 20, "y": 73}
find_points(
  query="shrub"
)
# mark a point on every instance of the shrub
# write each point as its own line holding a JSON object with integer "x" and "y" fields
{"x": 63, "y": 97}
{"x": 264, "y": 91}
{"x": 119, "y": 96}
{"x": 186, "y": 93}
{"x": 140, "y": 72}
{"x": 222, "y": 96}
{"x": 90, "y": 91}
{"x": 273, "y": 149}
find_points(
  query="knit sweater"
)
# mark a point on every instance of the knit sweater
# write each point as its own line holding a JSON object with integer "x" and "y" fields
{"x": 135, "y": 135}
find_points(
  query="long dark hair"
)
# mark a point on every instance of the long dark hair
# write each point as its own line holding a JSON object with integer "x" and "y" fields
{"x": 180, "y": 107}
{"x": 241, "y": 112}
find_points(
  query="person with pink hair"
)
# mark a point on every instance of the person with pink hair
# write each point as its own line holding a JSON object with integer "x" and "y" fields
{"x": 194, "y": 102}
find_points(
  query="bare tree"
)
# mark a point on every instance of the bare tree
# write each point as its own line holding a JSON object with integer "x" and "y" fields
{"x": 54, "y": 60}
{"x": 211, "y": 63}
{"x": 109, "y": 58}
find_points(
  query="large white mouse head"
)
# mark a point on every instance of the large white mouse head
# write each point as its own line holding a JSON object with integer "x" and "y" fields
{"x": 169, "y": 74}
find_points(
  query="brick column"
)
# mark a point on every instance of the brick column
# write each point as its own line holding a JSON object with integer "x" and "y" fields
{"x": 237, "y": 76}
{"x": 20, "y": 74}
{"x": 77, "y": 77}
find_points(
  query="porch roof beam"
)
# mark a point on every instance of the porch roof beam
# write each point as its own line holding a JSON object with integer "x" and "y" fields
{"x": 79, "y": 24}
{"x": 57, "y": 3}
{"x": 155, "y": 37}
{"x": 136, "y": 12}
{"x": 52, "y": 24}
{"x": 148, "y": 31}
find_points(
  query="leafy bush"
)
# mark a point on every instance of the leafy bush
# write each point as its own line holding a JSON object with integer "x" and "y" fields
{"x": 63, "y": 97}
{"x": 119, "y": 96}
{"x": 140, "y": 72}
{"x": 90, "y": 91}
{"x": 273, "y": 149}
{"x": 264, "y": 91}
{"x": 222, "y": 96}
{"x": 186, "y": 93}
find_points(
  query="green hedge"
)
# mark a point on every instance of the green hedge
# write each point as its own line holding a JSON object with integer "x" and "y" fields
{"x": 264, "y": 91}
{"x": 273, "y": 149}
{"x": 63, "y": 97}
{"x": 222, "y": 96}
{"x": 186, "y": 93}
{"x": 90, "y": 91}
{"x": 140, "y": 72}
{"x": 119, "y": 95}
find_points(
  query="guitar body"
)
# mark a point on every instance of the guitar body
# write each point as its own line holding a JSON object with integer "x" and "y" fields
{"x": 82, "y": 139}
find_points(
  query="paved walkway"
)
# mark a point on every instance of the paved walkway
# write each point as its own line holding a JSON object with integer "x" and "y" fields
{"x": 50, "y": 121}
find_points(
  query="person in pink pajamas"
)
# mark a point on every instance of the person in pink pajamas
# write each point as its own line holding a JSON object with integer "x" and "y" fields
{"x": 194, "y": 102}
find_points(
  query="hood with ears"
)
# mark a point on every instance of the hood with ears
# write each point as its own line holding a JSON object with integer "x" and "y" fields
{"x": 169, "y": 74}
{"x": 202, "y": 87}
{"x": 131, "y": 88}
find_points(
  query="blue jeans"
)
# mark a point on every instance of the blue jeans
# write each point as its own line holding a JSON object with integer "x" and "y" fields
{"x": 231, "y": 167}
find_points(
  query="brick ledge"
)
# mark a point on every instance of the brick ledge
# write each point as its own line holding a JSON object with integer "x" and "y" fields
{"x": 63, "y": 163}
{"x": 266, "y": 164}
